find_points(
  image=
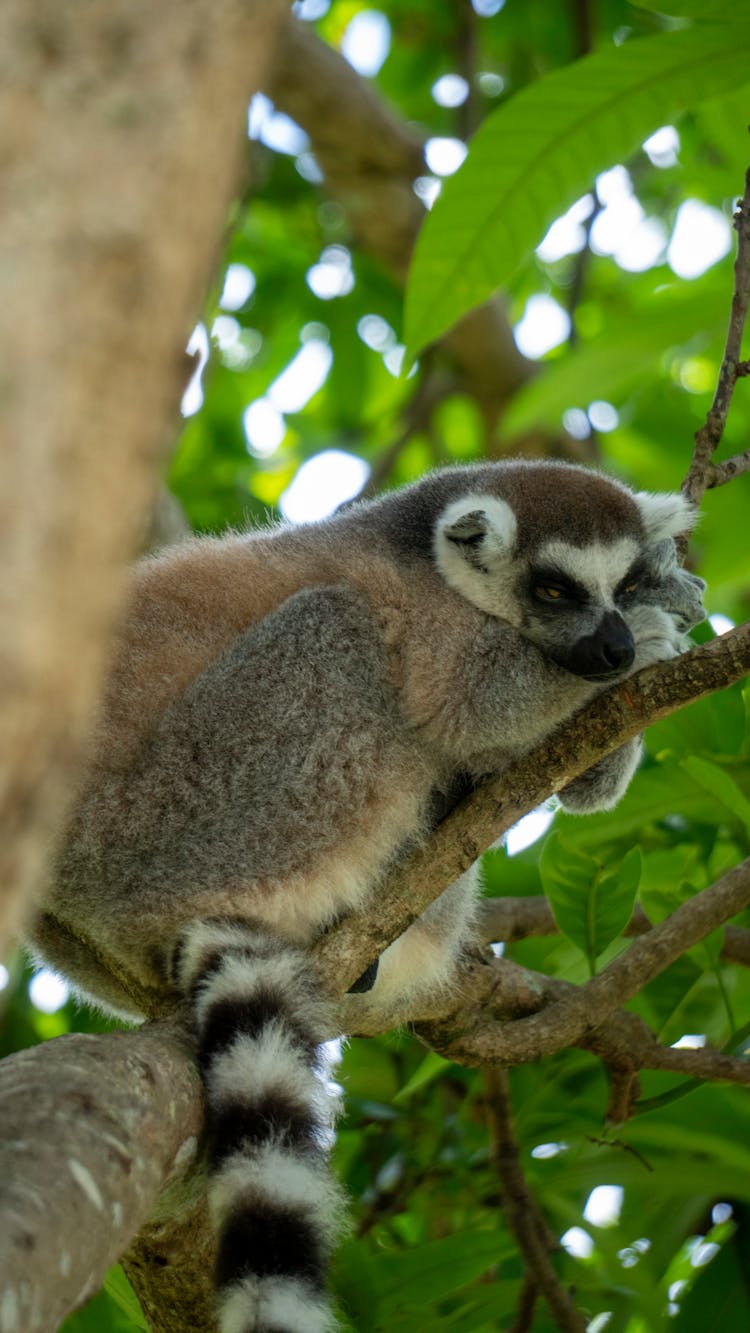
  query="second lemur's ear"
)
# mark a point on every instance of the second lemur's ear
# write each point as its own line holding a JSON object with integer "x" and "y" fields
{"x": 665, "y": 515}
{"x": 479, "y": 530}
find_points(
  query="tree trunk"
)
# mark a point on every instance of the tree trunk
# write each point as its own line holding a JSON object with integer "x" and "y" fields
{"x": 121, "y": 127}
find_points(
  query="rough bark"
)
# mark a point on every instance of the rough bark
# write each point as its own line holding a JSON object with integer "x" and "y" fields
{"x": 121, "y": 124}
{"x": 93, "y": 1129}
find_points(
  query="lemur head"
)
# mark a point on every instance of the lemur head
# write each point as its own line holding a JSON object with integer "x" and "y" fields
{"x": 574, "y": 560}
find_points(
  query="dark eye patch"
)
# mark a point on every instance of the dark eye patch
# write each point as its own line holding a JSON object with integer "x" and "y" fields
{"x": 636, "y": 575}
{"x": 569, "y": 589}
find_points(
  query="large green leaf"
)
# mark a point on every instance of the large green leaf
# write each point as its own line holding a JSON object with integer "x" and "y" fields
{"x": 591, "y": 904}
{"x": 721, "y": 785}
{"x": 432, "y": 1270}
{"x": 542, "y": 149}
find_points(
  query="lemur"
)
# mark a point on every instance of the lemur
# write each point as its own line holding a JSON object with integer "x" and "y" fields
{"x": 284, "y": 710}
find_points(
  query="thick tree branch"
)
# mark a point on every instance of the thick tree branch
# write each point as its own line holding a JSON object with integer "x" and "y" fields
{"x": 489, "y": 812}
{"x": 127, "y": 1109}
{"x": 93, "y": 1128}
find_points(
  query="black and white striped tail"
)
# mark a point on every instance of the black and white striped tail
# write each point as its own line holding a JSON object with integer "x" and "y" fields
{"x": 260, "y": 1020}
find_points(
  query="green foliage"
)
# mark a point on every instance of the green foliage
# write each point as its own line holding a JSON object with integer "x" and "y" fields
{"x": 718, "y": 1298}
{"x": 115, "y": 1309}
{"x": 592, "y": 900}
{"x": 539, "y": 151}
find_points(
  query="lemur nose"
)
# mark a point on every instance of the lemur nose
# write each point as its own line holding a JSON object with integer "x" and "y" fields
{"x": 608, "y": 650}
{"x": 614, "y": 643}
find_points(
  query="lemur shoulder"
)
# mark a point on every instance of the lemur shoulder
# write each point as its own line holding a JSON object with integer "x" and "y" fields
{"x": 284, "y": 709}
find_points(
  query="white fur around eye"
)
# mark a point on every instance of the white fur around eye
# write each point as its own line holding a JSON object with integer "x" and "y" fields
{"x": 665, "y": 514}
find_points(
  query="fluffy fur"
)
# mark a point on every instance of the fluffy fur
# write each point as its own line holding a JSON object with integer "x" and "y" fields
{"x": 287, "y": 713}
{"x": 260, "y": 1023}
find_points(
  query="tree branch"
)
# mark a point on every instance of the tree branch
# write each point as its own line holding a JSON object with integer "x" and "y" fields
{"x": 512, "y": 919}
{"x": 704, "y": 473}
{"x": 578, "y": 1016}
{"x": 93, "y": 1129}
{"x": 127, "y": 1110}
{"x": 523, "y": 1214}
{"x": 500, "y": 802}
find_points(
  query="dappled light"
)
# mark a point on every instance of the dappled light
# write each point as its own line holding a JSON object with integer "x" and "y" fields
{"x": 444, "y": 156}
{"x": 332, "y": 276}
{"x": 450, "y": 90}
{"x": 543, "y": 325}
{"x": 366, "y": 41}
{"x": 663, "y": 147}
{"x": 48, "y": 992}
{"x": 622, "y": 229}
{"x": 604, "y": 1205}
{"x": 239, "y": 285}
{"x": 701, "y": 237}
{"x": 528, "y": 830}
{"x": 322, "y": 484}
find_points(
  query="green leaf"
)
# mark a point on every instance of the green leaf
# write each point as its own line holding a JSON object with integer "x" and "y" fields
{"x": 115, "y": 1309}
{"x": 433, "y": 1270}
{"x": 710, "y": 11}
{"x": 719, "y": 1299}
{"x": 670, "y": 876}
{"x": 717, "y": 781}
{"x": 591, "y": 904}
{"x": 537, "y": 153}
{"x": 357, "y": 1287}
{"x": 430, "y": 1068}
{"x": 662, "y": 999}
{"x": 117, "y": 1286}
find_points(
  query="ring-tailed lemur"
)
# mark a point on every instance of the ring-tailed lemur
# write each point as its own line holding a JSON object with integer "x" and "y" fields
{"x": 284, "y": 709}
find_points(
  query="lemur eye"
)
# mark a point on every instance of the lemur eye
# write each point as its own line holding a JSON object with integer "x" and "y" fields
{"x": 549, "y": 592}
{"x": 630, "y": 588}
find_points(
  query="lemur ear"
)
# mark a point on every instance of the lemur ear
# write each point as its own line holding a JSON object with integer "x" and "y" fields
{"x": 478, "y": 529}
{"x": 665, "y": 515}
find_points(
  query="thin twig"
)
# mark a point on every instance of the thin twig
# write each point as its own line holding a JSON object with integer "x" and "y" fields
{"x": 524, "y": 1320}
{"x": 704, "y": 473}
{"x": 623, "y": 1147}
{"x": 484, "y": 1026}
{"x": 624, "y": 1088}
{"x": 522, "y": 1212}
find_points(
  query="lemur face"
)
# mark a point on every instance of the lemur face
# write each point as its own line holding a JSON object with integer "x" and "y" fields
{"x": 573, "y": 602}
{"x": 589, "y": 605}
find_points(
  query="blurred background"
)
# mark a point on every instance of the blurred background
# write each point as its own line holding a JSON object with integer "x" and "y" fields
{"x": 604, "y": 348}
